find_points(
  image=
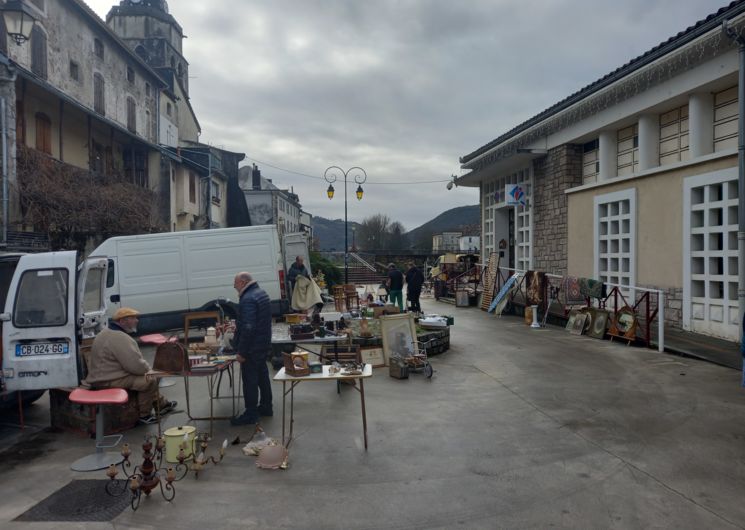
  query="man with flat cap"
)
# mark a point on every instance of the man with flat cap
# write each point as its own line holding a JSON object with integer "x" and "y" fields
{"x": 117, "y": 362}
{"x": 253, "y": 344}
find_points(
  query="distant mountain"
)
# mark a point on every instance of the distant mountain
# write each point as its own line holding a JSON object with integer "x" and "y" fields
{"x": 466, "y": 219}
{"x": 330, "y": 233}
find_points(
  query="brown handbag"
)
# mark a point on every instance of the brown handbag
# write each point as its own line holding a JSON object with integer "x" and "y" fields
{"x": 171, "y": 357}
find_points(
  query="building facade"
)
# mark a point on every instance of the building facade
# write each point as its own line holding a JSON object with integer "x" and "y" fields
{"x": 268, "y": 204}
{"x": 75, "y": 97}
{"x": 632, "y": 180}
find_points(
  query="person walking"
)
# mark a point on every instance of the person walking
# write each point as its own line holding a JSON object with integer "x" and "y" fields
{"x": 253, "y": 343}
{"x": 414, "y": 282}
{"x": 396, "y": 286}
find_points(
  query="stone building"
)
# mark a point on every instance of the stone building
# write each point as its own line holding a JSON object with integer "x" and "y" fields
{"x": 75, "y": 93}
{"x": 113, "y": 102}
{"x": 632, "y": 180}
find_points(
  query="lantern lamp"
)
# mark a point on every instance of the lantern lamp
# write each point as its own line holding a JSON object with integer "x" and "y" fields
{"x": 359, "y": 192}
{"x": 19, "y": 20}
{"x": 330, "y": 192}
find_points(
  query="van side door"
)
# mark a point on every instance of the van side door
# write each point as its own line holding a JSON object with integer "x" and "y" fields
{"x": 39, "y": 323}
{"x": 92, "y": 274}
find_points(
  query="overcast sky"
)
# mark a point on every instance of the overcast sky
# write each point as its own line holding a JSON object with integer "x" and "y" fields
{"x": 402, "y": 88}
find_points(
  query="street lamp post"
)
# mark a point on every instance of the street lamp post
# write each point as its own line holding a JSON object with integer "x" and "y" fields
{"x": 359, "y": 178}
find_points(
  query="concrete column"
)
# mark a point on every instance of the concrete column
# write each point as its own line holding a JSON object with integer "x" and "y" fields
{"x": 649, "y": 141}
{"x": 608, "y": 155}
{"x": 701, "y": 124}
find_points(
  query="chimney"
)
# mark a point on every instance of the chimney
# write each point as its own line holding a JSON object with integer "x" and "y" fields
{"x": 255, "y": 178}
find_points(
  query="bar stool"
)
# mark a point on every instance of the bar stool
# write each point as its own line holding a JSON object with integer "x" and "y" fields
{"x": 97, "y": 399}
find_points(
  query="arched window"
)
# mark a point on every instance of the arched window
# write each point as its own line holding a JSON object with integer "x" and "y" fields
{"x": 99, "y": 94}
{"x": 43, "y": 133}
{"x": 39, "y": 52}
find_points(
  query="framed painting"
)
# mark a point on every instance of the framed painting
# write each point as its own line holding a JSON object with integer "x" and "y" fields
{"x": 578, "y": 327}
{"x": 399, "y": 336}
{"x": 373, "y": 355}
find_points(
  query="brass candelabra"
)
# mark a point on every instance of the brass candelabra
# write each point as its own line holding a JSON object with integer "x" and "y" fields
{"x": 147, "y": 476}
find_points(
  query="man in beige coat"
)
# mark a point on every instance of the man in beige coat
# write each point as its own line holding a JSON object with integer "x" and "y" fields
{"x": 117, "y": 362}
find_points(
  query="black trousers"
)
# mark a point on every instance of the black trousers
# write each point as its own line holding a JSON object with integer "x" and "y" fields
{"x": 256, "y": 382}
{"x": 413, "y": 296}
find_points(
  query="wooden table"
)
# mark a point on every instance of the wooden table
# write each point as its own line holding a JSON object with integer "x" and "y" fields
{"x": 285, "y": 378}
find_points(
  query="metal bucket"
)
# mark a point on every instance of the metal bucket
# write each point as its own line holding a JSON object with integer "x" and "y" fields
{"x": 175, "y": 437}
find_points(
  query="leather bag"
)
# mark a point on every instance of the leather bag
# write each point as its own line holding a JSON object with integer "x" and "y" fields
{"x": 171, "y": 357}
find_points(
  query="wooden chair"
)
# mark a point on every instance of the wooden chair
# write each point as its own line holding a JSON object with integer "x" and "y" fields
{"x": 351, "y": 297}
{"x": 343, "y": 353}
{"x": 339, "y": 298}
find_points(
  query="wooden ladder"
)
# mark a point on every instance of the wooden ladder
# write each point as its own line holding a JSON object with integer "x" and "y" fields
{"x": 490, "y": 277}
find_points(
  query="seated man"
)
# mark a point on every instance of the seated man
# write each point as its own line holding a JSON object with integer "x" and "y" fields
{"x": 117, "y": 362}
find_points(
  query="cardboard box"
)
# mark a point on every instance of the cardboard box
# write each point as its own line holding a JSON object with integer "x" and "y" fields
{"x": 387, "y": 309}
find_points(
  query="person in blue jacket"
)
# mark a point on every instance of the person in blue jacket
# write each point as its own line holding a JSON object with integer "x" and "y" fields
{"x": 253, "y": 343}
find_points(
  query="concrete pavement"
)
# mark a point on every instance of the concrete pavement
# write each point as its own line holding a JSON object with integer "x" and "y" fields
{"x": 519, "y": 428}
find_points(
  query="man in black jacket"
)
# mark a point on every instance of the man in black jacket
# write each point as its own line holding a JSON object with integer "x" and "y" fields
{"x": 253, "y": 341}
{"x": 395, "y": 284}
{"x": 414, "y": 282}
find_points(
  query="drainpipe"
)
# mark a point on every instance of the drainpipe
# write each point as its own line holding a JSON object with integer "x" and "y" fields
{"x": 6, "y": 199}
{"x": 740, "y": 40}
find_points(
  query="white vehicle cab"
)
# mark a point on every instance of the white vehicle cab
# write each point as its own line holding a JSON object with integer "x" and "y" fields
{"x": 50, "y": 305}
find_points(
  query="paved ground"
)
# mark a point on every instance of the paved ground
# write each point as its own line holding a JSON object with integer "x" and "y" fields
{"x": 519, "y": 428}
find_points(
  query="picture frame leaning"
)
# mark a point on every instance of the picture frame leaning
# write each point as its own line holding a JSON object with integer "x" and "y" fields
{"x": 374, "y": 356}
{"x": 399, "y": 336}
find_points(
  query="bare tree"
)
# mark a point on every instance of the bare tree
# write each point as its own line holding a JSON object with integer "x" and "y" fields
{"x": 373, "y": 232}
{"x": 71, "y": 204}
{"x": 397, "y": 239}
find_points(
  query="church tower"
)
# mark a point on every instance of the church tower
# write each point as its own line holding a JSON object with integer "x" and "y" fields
{"x": 154, "y": 35}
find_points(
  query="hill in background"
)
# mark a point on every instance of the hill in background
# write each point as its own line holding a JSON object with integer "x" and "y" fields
{"x": 466, "y": 219}
{"x": 330, "y": 233}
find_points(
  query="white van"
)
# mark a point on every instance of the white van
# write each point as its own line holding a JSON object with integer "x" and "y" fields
{"x": 166, "y": 275}
{"x": 49, "y": 304}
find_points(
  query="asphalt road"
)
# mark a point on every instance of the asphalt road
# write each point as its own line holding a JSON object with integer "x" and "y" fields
{"x": 519, "y": 428}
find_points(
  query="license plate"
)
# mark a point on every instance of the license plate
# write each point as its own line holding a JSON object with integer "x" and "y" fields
{"x": 42, "y": 348}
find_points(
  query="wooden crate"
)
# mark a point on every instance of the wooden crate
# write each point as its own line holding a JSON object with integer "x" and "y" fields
{"x": 70, "y": 416}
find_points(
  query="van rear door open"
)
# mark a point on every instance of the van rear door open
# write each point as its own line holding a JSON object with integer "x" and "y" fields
{"x": 41, "y": 319}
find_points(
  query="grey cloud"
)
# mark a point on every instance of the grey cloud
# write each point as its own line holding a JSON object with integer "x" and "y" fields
{"x": 401, "y": 88}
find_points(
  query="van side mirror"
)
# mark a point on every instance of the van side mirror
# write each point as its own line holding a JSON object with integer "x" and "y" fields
{"x": 4, "y": 317}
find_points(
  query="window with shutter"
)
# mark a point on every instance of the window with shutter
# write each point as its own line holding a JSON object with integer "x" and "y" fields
{"x": 43, "y": 133}
{"x": 99, "y": 100}
{"x": 131, "y": 115}
{"x": 98, "y": 48}
{"x": 39, "y": 52}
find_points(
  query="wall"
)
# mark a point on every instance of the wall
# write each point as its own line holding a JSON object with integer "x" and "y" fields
{"x": 561, "y": 169}
{"x": 260, "y": 207}
{"x": 70, "y": 36}
{"x": 659, "y": 231}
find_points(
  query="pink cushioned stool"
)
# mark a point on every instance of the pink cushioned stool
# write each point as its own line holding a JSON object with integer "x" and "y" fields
{"x": 97, "y": 399}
